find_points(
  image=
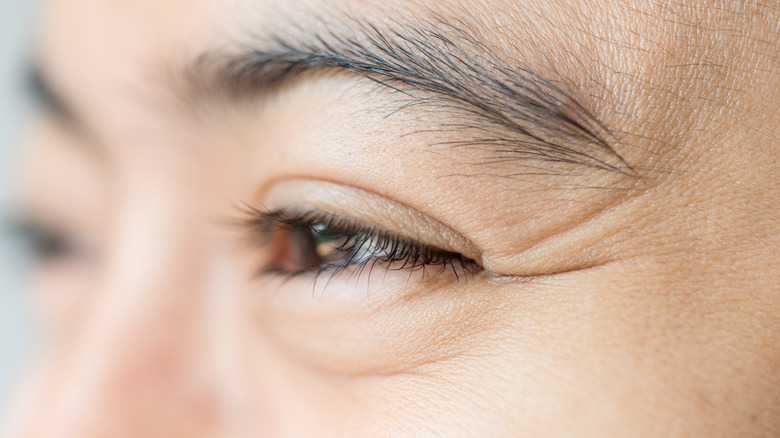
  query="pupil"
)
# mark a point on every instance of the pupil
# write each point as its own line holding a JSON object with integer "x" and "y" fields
{"x": 331, "y": 247}
{"x": 43, "y": 244}
{"x": 303, "y": 249}
{"x": 48, "y": 247}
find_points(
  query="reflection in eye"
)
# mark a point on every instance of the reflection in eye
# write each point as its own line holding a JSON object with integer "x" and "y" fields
{"x": 316, "y": 241}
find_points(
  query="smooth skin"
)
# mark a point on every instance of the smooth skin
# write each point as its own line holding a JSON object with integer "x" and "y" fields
{"x": 644, "y": 303}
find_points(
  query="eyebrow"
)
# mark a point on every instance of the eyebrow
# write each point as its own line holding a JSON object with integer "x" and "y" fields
{"x": 44, "y": 94}
{"x": 498, "y": 104}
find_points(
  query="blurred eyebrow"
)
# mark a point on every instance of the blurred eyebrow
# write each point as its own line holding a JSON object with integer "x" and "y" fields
{"x": 44, "y": 94}
{"x": 502, "y": 105}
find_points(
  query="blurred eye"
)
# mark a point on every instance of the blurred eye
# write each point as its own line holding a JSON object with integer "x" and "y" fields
{"x": 49, "y": 245}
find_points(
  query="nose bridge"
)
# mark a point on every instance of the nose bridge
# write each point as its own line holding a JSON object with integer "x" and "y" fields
{"x": 141, "y": 366}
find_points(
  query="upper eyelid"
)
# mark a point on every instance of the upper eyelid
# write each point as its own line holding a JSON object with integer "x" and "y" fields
{"x": 368, "y": 207}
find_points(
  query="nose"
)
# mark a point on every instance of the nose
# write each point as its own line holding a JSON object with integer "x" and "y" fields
{"x": 141, "y": 365}
{"x": 135, "y": 375}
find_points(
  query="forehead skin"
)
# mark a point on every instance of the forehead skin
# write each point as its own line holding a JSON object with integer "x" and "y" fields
{"x": 689, "y": 90}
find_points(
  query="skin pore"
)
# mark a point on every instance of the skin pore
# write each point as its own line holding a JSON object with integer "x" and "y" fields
{"x": 585, "y": 196}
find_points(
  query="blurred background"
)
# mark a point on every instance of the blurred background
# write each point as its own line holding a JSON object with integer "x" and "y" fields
{"x": 16, "y": 35}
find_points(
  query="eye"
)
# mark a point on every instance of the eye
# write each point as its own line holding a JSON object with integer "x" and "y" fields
{"x": 315, "y": 241}
{"x": 49, "y": 245}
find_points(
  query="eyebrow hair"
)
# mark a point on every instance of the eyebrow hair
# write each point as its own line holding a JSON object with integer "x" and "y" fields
{"x": 498, "y": 104}
{"x": 57, "y": 106}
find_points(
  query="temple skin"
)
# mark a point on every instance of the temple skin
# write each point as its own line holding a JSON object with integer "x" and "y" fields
{"x": 627, "y": 281}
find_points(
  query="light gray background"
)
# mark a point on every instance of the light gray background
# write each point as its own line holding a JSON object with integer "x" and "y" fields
{"x": 16, "y": 32}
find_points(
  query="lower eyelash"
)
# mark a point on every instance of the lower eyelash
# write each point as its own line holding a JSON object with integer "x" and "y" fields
{"x": 386, "y": 250}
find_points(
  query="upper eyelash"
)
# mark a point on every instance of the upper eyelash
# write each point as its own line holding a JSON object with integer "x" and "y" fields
{"x": 412, "y": 254}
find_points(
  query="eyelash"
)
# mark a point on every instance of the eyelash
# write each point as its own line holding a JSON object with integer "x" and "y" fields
{"x": 376, "y": 247}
